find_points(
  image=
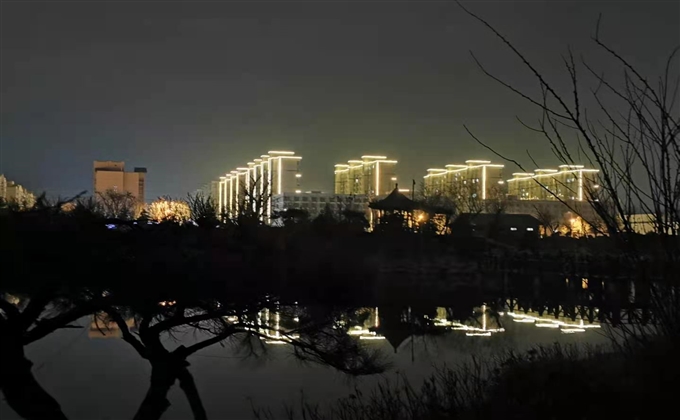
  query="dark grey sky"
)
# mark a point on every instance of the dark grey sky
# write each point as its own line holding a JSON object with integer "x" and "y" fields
{"x": 192, "y": 89}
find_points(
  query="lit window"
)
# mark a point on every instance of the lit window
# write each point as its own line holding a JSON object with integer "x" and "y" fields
{"x": 530, "y": 229}
{"x": 513, "y": 228}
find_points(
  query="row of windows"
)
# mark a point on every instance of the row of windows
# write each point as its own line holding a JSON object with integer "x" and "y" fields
{"x": 313, "y": 199}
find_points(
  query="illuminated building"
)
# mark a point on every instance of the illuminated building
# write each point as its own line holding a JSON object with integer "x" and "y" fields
{"x": 111, "y": 175}
{"x": 15, "y": 193}
{"x": 258, "y": 183}
{"x": 559, "y": 198}
{"x": 476, "y": 179}
{"x": 569, "y": 182}
{"x": 314, "y": 202}
{"x": 100, "y": 328}
{"x": 372, "y": 176}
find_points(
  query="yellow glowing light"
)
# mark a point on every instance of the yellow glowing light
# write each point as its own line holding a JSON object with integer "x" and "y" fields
{"x": 279, "y": 176}
{"x": 298, "y": 175}
{"x": 394, "y": 178}
{"x": 377, "y": 178}
{"x": 477, "y": 161}
{"x": 279, "y": 152}
{"x": 484, "y": 183}
{"x": 551, "y": 323}
{"x": 163, "y": 210}
{"x": 360, "y": 331}
{"x": 373, "y": 157}
{"x": 371, "y": 337}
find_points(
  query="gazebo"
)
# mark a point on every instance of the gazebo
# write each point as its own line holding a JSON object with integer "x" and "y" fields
{"x": 395, "y": 204}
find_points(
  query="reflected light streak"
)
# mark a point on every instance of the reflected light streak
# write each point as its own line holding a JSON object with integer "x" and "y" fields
{"x": 551, "y": 323}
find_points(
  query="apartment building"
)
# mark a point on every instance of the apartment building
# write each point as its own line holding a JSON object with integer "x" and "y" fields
{"x": 256, "y": 183}
{"x": 12, "y": 192}
{"x": 111, "y": 175}
{"x": 568, "y": 182}
{"x": 314, "y": 202}
{"x": 477, "y": 179}
{"x": 372, "y": 176}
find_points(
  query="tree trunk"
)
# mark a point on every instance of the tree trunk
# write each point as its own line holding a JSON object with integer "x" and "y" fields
{"x": 20, "y": 388}
{"x": 155, "y": 403}
{"x": 186, "y": 382}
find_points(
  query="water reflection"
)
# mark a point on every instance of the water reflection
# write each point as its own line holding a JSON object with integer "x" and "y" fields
{"x": 104, "y": 328}
{"x": 563, "y": 325}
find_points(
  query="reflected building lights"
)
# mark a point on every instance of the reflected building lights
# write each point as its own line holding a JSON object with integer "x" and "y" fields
{"x": 565, "y": 327}
{"x": 470, "y": 331}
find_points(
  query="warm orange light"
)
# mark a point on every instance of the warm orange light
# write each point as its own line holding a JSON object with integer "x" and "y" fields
{"x": 164, "y": 210}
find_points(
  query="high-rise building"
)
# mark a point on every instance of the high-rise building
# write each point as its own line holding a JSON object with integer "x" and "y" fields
{"x": 569, "y": 182}
{"x": 476, "y": 179}
{"x": 12, "y": 192}
{"x": 372, "y": 176}
{"x": 111, "y": 175}
{"x": 254, "y": 185}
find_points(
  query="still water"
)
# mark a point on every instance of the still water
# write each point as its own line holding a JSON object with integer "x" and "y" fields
{"x": 104, "y": 378}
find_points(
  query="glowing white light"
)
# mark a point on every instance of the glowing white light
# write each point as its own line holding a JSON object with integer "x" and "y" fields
{"x": 360, "y": 331}
{"x": 478, "y": 334}
{"x": 572, "y": 330}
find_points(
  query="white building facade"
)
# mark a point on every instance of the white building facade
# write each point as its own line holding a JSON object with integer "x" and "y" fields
{"x": 253, "y": 187}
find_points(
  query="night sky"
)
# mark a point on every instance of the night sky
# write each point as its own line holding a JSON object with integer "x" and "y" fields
{"x": 191, "y": 90}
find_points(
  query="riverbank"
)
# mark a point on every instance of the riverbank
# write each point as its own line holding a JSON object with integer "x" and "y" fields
{"x": 547, "y": 382}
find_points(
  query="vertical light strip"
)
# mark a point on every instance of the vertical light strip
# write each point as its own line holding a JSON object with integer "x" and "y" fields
{"x": 377, "y": 178}
{"x": 255, "y": 182}
{"x": 219, "y": 200}
{"x": 238, "y": 191}
{"x": 248, "y": 182}
{"x": 279, "y": 180}
{"x": 225, "y": 193}
{"x": 484, "y": 317}
{"x": 580, "y": 185}
{"x": 270, "y": 187}
{"x": 484, "y": 182}
{"x": 231, "y": 196}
